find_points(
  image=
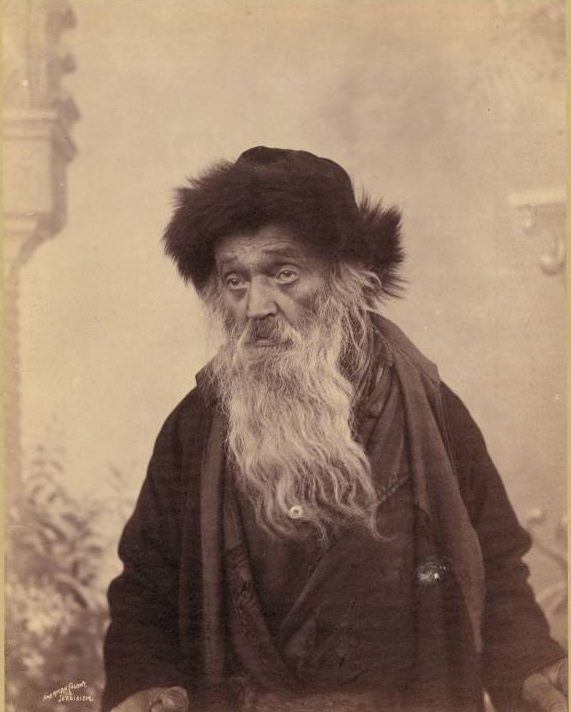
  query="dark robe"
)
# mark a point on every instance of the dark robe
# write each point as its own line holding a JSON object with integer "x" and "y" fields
{"x": 423, "y": 620}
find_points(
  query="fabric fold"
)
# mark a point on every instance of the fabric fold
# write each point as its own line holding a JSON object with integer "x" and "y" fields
{"x": 437, "y": 492}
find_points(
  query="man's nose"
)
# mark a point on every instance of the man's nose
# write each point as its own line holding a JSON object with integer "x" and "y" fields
{"x": 261, "y": 301}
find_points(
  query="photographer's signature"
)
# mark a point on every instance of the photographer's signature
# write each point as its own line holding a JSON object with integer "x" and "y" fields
{"x": 70, "y": 692}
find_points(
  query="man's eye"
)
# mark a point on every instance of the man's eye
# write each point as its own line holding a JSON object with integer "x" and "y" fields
{"x": 287, "y": 276}
{"x": 232, "y": 281}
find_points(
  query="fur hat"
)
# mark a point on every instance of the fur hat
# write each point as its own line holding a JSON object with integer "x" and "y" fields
{"x": 312, "y": 195}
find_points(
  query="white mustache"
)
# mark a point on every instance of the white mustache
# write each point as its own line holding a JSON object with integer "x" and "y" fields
{"x": 270, "y": 329}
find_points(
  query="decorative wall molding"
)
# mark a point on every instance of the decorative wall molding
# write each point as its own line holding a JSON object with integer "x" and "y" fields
{"x": 542, "y": 215}
{"x": 35, "y": 56}
{"x": 38, "y": 115}
{"x": 37, "y": 149}
{"x": 37, "y": 119}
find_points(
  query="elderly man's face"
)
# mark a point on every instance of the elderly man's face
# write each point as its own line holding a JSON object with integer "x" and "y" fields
{"x": 281, "y": 379}
{"x": 268, "y": 273}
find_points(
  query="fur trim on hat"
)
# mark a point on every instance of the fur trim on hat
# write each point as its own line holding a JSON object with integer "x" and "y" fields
{"x": 311, "y": 195}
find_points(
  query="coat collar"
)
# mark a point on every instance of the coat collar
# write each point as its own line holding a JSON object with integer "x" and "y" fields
{"x": 205, "y": 385}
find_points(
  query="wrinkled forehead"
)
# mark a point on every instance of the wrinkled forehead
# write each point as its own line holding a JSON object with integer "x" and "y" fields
{"x": 270, "y": 242}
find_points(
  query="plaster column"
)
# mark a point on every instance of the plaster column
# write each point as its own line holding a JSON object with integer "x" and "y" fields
{"x": 38, "y": 114}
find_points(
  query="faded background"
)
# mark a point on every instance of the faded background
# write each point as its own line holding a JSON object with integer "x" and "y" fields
{"x": 453, "y": 111}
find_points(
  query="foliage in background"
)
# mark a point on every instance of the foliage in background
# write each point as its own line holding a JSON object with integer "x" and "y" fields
{"x": 61, "y": 554}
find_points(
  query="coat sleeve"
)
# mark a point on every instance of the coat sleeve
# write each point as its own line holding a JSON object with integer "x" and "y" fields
{"x": 141, "y": 648}
{"x": 515, "y": 631}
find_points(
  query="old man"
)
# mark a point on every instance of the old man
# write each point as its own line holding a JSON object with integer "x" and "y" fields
{"x": 321, "y": 526}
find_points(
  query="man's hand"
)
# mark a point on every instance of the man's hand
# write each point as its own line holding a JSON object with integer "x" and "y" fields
{"x": 155, "y": 699}
{"x": 546, "y": 690}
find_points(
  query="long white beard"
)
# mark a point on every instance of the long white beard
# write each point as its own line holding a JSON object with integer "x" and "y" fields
{"x": 290, "y": 410}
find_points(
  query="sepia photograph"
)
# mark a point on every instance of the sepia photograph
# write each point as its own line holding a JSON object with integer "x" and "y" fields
{"x": 284, "y": 355}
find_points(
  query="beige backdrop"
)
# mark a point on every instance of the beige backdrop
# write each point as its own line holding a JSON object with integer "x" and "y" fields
{"x": 445, "y": 108}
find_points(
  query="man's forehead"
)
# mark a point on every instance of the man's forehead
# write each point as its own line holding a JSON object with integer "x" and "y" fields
{"x": 271, "y": 241}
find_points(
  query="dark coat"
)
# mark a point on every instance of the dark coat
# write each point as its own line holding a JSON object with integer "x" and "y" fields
{"x": 160, "y": 614}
